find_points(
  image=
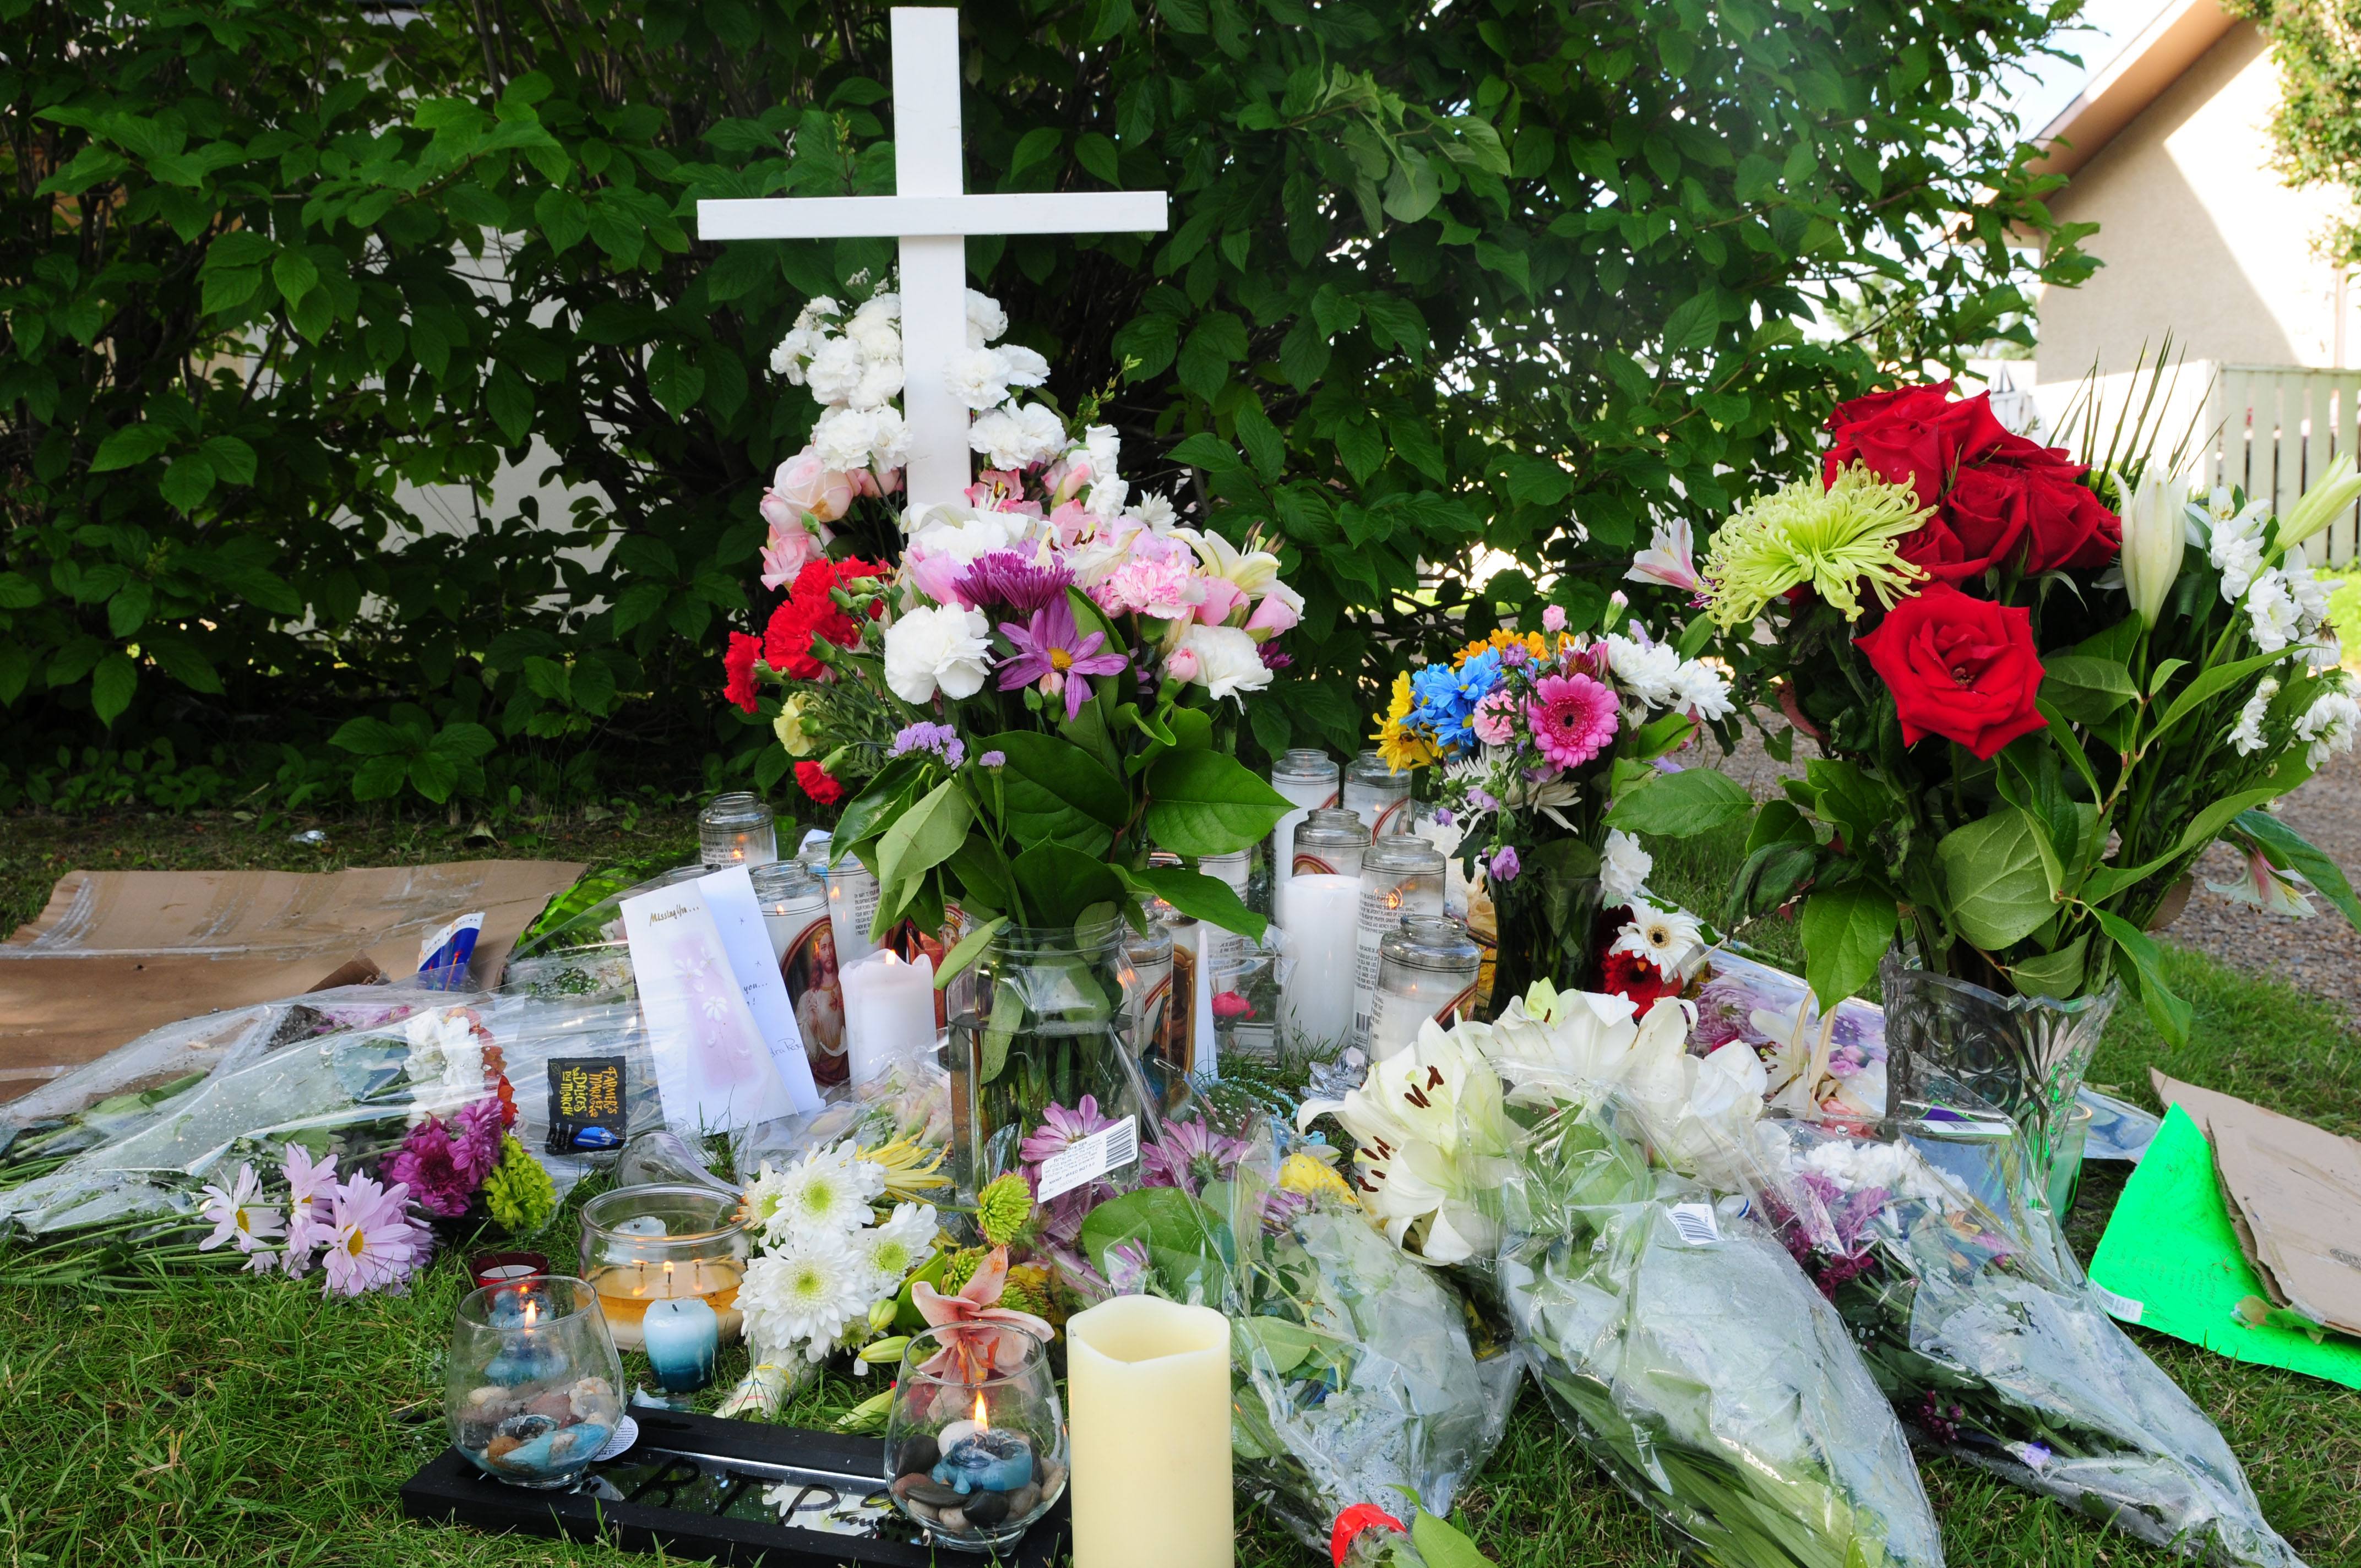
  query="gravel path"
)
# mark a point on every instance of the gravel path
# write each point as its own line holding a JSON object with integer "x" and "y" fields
{"x": 2320, "y": 956}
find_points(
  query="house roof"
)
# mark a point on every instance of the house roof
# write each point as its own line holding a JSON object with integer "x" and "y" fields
{"x": 2117, "y": 92}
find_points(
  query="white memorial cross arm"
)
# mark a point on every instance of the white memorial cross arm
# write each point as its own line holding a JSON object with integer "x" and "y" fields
{"x": 932, "y": 216}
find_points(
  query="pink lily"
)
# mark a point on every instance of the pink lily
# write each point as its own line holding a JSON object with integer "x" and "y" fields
{"x": 979, "y": 1335}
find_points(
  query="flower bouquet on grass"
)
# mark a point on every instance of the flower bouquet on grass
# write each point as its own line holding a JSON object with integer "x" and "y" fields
{"x": 1679, "y": 1343}
{"x": 1980, "y": 1330}
{"x": 1363, "y": 1395}
{"x": 2042, "y": 684}
{"x": 1546, "y": 744}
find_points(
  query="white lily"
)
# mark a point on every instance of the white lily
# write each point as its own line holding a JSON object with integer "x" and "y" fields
{"x": 1698, "y": 1112}
{"x": 2329, "y": 495}
{"x": 1256, "y": 572}
{"x": 2155, "y": 534}
{"x": 2265, "y": 887}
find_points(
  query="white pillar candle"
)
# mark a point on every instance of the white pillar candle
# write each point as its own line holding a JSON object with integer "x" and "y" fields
{"x": 889, "y": 1011}
{"x": 1323, "y": 936}
{"x": 1148, "y": 1398}
{"x": 1308, "y": 779}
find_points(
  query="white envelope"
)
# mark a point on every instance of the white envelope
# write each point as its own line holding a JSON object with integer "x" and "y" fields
{"x": 714, "y": 1069}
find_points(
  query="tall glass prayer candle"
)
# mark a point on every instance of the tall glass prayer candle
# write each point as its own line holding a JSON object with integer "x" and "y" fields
{"x": 1400, "y": 875}
{"x": 736, "y": 829}
{"x": 1147, "y": 1397}
{"x": 803, "y": 944}
{"x": 852, "y": 897}
{"x": 1232, "y": 869}
{"x": 1328, "y": 842}
{"x": 1309, "y": 780}
{"x": 1323, "y": 936}
{"x": 1377, "y": 795}
{"x": 1426, "y": 969}
{"x": 889, "y": 1012}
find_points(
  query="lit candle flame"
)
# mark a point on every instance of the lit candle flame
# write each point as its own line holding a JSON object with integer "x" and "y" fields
{"x": 983, "y": 1416}
{"x": 532, "y": 1310}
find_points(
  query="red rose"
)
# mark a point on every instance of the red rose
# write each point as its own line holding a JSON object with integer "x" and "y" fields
{"x": 1959, "y": 667}
{"x": 738, "y": 667}
{"x": 1979, "y": 525}
{"x": 817, "y": 783}
{"x": 1915, "y": 436}
{"x": 2067, "y": 524}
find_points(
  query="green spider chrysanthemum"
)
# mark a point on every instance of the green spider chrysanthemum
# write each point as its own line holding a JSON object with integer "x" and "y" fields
{"x": 1833, "y": 538}
{"x": 958, "y": 1269}
{"x": 518, "y": 1192}
{"x": 1002, "y": 1209}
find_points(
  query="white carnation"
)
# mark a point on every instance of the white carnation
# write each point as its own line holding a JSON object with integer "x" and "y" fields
{"x": 985, "y": 320}
{"x": 880, "y": 383}
{"x": 979, "y": 378}
{"x": 876, "y": 333}
{"x": 936, "y": 647}
{"x": 821, "y": 310}
{"x": 889, "y": 438}
{"x": 834, "y": 371}
{"x": 1025, "y": 369}
{"x": 1106, "y": 499}
{"x": 1016, "y": 438}
{"x": 787, "y": 359}
{"x": 844, "y": 438}
{"x": 1647, "y": 671}
{"x": 1859, "y": 1167}
{"x": 1623, "y": 868}
{"x": 886, "y": 308}
{"x": 1104, "y": 446}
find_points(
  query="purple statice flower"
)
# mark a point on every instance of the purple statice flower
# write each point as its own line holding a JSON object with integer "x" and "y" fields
{"x": 1060, "y": 1129}
{"x": 1505, "y": 864}
{"x": 1053, "y": 651}
{"x": 939, "y": 738}
{"x": 992, "y": 760}
{"x": 1942, "y": 1421}
{"x": 1005, "y": 577}
{"x": 1272, "y": 658}
{"x": 1514, "y": 654}
{"x": 1189, "y": 1154}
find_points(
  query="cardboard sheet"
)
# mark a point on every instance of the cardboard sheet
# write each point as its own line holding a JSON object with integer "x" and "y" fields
{"x": 2293, "y": 1192}
{"x": 118, "y": 953}
{"x": 2171, "y": 1261}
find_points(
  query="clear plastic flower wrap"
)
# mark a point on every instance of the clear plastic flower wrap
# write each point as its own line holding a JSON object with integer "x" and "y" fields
{"x": 1685, "y": 1351}
{"x": 1980, "y": 1326}
{"x": 1364, "y": 1389}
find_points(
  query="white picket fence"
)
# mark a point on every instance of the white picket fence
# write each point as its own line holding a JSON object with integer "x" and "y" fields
{"x": 2272, "y": 429}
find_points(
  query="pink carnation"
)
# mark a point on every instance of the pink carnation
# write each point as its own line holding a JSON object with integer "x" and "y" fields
{"x": 1162, "y": 589}
{"x": 1573, "y": 717}
{"x": 1495, "y": 718}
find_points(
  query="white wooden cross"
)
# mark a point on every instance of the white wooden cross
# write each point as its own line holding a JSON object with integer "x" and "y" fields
{"x": 932, "y": 218}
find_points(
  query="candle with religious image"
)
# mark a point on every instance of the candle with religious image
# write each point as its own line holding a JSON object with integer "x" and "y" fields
{"x": 1400, "y": 875}
{"x": 1378, "y": 796}
{"x": 1309, "y": 780}
{"x": 1426, "y": 970}
{"x": 803, "y": 944}
{"x": 851, "y": 896}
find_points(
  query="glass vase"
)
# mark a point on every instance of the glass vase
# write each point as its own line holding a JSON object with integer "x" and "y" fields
{"x": 1547, "y": 920}
{"x": 975, "y": 1438}
{"x": 534, "y": 1384}
{"x": 1042, "y": 1017}
{"x": 2023, "y": 1055}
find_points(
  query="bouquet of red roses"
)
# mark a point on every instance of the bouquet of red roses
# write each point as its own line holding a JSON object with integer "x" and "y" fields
{"x": 2041, "y": 688}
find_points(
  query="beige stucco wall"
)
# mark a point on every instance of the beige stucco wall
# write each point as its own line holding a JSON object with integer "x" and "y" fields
{"x": 2198, "y": 236}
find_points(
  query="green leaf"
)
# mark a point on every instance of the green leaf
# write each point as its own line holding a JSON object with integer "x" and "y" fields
{"x": 1204, "y": 803}
{"x": 1440, "y": 1544}
{"x": 2086, "y": 690}
{"x": 968, "y": 949}
{"x": 562, "y": 218}
{"x": 1846, "y": 931}
{"x": 2171, "y": 1014}
{"x": 380, "y": 778}
{"x": 2289, "y": 851}
{"x": 1682, "y": 804}
{"x": 110, "y": 686}
{"x": 187, "y": 482}
{"x": 1054, "y": 790}
{"x": 925, "y": 836}
{"x": 294, "y": 273}
{"x": 373, "y": 738}
{"x": 470, "y": 741}
{"x": 2209, "y": 682}
{"x": 2058, "y": 974}
{"x": 1201, "y": 897}
{"x": 233, "y": 459}
{"x": 1058, "y": 882}
{"x": 433, "y": 775}
{"x": 1993, "y": 877}
{"x": 130, "y": 447}
{"x": 19, "y": 591}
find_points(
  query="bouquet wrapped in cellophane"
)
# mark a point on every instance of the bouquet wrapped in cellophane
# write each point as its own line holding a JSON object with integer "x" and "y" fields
{"x": 1985, "y": 1336}
{"x": 1365, "y": 1394}
{"x": 1681, "y": 1346}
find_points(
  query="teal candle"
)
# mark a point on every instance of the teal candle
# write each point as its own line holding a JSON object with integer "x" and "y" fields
{"x": 683, "y": 1336}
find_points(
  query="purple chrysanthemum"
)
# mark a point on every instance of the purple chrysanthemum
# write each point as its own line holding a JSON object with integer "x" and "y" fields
{"x": 1006, "y": 578}
{"x": 443, "y": 1164}
{"x": 1061, "y": 1129}
{"x": 1189, "y": 1154}
{"x": 939, "y": 738}
{"x": 1057, "y": 654}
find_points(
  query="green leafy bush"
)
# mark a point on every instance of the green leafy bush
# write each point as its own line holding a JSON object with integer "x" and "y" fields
{"x": 1523, "y": 275}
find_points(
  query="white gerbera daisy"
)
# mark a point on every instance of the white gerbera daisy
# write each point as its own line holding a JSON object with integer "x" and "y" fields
{"x": 1663, "y": 937}
{"x": 802, "y": 1299}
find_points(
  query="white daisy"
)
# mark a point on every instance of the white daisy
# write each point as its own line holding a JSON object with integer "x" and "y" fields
{"x": 802, "y": 1299}
{"x": 1663, "y": 937}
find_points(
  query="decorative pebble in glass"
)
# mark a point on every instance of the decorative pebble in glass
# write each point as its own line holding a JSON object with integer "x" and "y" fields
{"x": 533, "y": 1395}
{"x": 977, "y": 1452}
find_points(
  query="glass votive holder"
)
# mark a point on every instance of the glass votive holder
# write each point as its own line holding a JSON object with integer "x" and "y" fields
{"x": 665, "y": 1242}
{"x": 533, "y": 1380}
{"x": 736, "y": 829}
{"x": 1426, "y": 969}
{"x": 976, "y": 1438}
{"x": 2066, "y": 1164}
{"x": 498, "y": 1268}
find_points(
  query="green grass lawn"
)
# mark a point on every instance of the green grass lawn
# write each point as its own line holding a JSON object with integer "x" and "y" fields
{"x": 249, "y": 1421}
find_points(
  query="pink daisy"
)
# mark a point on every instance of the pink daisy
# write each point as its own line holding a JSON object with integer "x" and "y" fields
{"x": 1573, "y": 717}
{"x": 371, "y": 1243}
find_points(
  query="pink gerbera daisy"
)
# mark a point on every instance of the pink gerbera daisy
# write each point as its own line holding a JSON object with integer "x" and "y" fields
{"x": 1573, "y": 717}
